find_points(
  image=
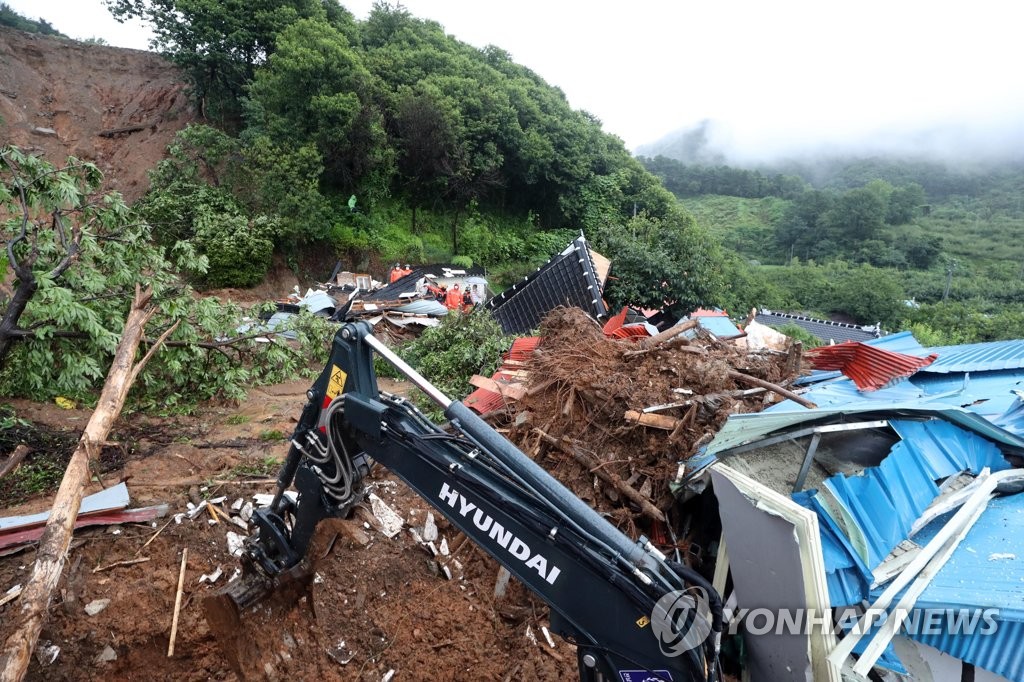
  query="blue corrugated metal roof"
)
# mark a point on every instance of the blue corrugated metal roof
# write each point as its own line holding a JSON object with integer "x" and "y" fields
{"x": 978, "y": 357}
{"x": 985, "y": 571}
{"x": 879, "y": 506}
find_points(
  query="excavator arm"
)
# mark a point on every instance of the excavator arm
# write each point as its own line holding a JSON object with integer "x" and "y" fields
{"x": 631, "y": 613}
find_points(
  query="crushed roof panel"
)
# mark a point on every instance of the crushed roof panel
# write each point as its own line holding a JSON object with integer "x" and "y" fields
{"x": 568, "y": 279}
{"x": 826, "y": 330}
{"x": 869, "y": 367}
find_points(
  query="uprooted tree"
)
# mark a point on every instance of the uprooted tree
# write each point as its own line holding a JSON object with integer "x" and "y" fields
{"x": 71, "y": 259}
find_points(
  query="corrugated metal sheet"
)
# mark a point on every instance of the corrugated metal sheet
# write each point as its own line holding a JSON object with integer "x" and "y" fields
{"x": 985, "y": 571}
{"x": 616, "y": 321}
{"x": 871, "y": 368}
{"x": 979, "y": 357}
{"x": 523, "y": 347}
{"x": 484, "y": 401}
{"x": 746, "y": 428}
{"x": 719, "y": 325}
{"x": 879, "y": 506}
{"x": 633, "y": 331}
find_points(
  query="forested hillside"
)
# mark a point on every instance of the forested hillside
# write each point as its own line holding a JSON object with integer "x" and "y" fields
{"x": 447, "y": 152}
{"x": 947, "y": 240}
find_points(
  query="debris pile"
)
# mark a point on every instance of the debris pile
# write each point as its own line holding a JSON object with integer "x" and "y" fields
{"x": 611, "y": 418}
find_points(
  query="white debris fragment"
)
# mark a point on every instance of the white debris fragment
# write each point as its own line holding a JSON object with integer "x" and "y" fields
{"x": 218, "y": 500}
{"x": 264, "y": 499}
{"x": 433, "y": 548}
{"x": 235, "y": 575}
{"x": 430, "y": 528}
{"x": 211, "y": 577}
{"x": 246, "y": 511}
{"x": 391, "y": 522}
{"x": 318, "y": 579}
{"x": 212, "y": 522}
{"x": 108, "y": 654}
{"x": 1000, "y": 556}
{"x": 195, "y": 510}
{"x": 530, "y": 636}
{"x": 387, "y": 676}
{"x": 178, "y": 518}
{"x": 240, "y": 523}
{"x": 446, "y": 572}
{"x": 47, "y": 653}
{"x": 237, "y": 504}
{"x": 444, "y": 547}
{"x": 547, "y": 636}
{"x": 235, "y": 542}
{"x": 96, "y": 605}
{"x": 416, "y": 536}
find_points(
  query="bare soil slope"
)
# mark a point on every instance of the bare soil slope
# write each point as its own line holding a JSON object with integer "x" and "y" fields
{"x": 64, "y": 98}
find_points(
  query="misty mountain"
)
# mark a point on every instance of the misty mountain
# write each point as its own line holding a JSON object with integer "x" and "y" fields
{"x": 967, "y": 145}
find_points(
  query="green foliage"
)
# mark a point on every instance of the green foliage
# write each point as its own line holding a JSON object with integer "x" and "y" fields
{"x": 219, "y": 44}
{"x": 670, "y": 264}
{"x": 76, "y": 318}
{"x": 8, "y": 17}
{"x": 238, "y": 250}
{"x": 462, "y": 261}
{"x": 449, "y": 354}
{"x": 808, "y": 339}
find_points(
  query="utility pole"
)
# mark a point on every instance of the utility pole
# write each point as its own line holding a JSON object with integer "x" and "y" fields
{"x": 949, "y": 278}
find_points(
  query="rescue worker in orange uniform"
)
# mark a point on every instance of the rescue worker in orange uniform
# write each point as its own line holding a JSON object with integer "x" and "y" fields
{"x": 453, "y": 299}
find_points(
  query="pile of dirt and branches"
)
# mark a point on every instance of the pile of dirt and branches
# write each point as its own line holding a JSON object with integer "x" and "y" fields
{"x": 612, "y": 418}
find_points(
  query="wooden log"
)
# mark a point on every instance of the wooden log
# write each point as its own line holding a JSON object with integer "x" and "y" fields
{"x": 53, "y": 545}
{"x": 12, "y": 462}
{"x": 655, "y": 421}
{"x": 746, "y": 378}
{"x": 592, "y": 465}
{"x": 177, "y": 602}
{"x": 669, "y": 333}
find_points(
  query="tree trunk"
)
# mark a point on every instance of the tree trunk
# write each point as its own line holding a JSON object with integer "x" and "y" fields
{"x": 53, "y": 546}
{"x": 27, "y": 286}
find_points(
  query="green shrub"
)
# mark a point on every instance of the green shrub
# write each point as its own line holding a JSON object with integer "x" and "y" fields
{"x": 238, "y": 249}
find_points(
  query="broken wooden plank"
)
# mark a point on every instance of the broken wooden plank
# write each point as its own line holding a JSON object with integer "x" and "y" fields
{"x": 508, "y": 390}
{"x": 655, "y": 421}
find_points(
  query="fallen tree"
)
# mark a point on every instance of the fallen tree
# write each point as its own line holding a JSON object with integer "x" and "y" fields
{"x": 53, "y": 546}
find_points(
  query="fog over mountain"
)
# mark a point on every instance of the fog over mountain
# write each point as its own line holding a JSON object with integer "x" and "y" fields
{"x": 999, "y": 139}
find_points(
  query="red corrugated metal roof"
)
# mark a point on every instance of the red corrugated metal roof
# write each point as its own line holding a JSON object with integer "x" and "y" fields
{"x": 704, "y": 312}
{"x": 484, "y": 401}
{"x": 870, "y": 368}
{"x": 521, "y": 348}
{"x": 616, "y": 322}
{"x": 628, "y": 332}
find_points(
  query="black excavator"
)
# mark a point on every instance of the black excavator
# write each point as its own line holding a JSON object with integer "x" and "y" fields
{"x": 633, "y": 615}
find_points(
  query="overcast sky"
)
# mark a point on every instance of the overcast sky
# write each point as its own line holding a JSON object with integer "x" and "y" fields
{"x": 772, "y": 75}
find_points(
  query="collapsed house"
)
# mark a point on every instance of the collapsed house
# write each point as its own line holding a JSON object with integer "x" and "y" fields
{"x": 895, "y": 491}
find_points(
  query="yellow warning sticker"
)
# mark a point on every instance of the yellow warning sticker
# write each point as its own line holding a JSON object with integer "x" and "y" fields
{"x": 337, "y": 383}
{"x": 643, "y": 621}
